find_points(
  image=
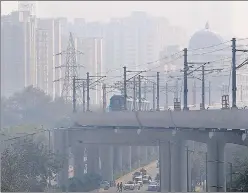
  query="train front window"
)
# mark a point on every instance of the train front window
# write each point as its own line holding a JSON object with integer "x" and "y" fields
{"x": 116, "y": 102}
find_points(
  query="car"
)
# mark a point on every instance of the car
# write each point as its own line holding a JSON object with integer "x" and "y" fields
{"x": 135, "y": 174}
{"x": 105, "y": 185}
{"x": 130, "y": 185}
{"x": 146, "y": 179}
{"x": 139, "y": 180}
{"x": 153, "y": 186}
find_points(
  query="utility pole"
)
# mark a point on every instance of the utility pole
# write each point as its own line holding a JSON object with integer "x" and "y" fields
{"x": 125, "y": 84}
{"x": 104, "y": 97}
{"x": 234, "y": 88}
{"x": 134, "y": 94}
{"x": 74, "y": 94}
{"x": 203, "y": 70}
{"x": 158, "y": 91}
{"x": 153, "y": 96}
{"x": 88, "y": 90}
{"x": 231, "y": 171}
{"x": 176, "y": 90}
{"x": 139, "y": 93}
{"x": 88, "y": 87}
{"x": 194, "y": 93}
{"x": 187, "y": 163}
{"x": 241, "y": 93}
{"x": 209, "y": 93}
{"x": 171, "y": 89}
{"x": 153, "y": 90}
{"x": 49, "y": 146}
{"x": 125, "y": 87}
{"x": 75, "y": 87}
{"x": 203, "y": 86}
{"x": 83, "y": 96}
{"x": 185, "y": 83}
{"x": 166, "y": 96}
{"x": 206, "y": 172}
{"x": 145, "y": 89}
{"x": 234, "y": 69}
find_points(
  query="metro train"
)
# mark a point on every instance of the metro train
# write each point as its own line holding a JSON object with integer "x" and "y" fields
{"x": 117, "y": 104}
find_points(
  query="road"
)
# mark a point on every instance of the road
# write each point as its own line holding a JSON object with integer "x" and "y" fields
{"x": 152, "y": 170}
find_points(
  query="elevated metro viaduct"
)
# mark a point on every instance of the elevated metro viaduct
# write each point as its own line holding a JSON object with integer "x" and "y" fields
{"x": 168, "y": 130}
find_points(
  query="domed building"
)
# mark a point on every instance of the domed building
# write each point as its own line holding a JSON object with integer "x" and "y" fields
{"x": 204, "y": 38}
{"x": 208, "y": 46}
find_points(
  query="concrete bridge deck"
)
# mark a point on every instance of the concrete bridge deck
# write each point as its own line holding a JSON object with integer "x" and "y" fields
{"x": 207, "y": 119}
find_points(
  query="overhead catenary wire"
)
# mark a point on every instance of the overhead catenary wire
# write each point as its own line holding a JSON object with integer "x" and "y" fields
{"x": 147, "y": 63}
{"x": 148, "y": 70}
{"x": 169, "y": 56}
{"x": 209, "y": 52}
{"x": 206, "y": 47}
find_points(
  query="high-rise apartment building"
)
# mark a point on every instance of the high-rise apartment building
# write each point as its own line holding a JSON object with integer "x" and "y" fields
{"x": 18, "y": 56}
{"x": 58, "y": 57}
{"x": 48, "y": 26}
{"x": 42, "y": 59}
{"x": 135, "y": 41}
{"x": 50, "y": 32}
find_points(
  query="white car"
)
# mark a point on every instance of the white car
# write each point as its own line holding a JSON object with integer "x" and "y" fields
{"x": 130, "y": 185}
{"x": 153, "y": 186}
{"x": 139, "y": 180}
{"x": 146, "y": 179}
{"x": 136, "y": 174}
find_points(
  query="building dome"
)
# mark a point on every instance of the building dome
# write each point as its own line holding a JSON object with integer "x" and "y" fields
{"x": 204, "y": 38}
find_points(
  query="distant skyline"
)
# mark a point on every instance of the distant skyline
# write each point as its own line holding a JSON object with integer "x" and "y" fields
{"x": 228, "y": 18}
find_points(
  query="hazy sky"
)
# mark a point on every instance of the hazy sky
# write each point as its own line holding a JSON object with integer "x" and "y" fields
{"x": 225, "y": 17}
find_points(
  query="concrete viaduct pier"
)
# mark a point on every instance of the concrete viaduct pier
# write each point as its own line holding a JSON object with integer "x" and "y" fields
{"x": 109, "y": 133}
{"x": 174, "y": 166}
{"x": 103, "y": 159}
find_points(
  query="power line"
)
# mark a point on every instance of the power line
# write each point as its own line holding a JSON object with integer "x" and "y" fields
{"x": 210, "y": 52}
{"x": 147, "y": 63}
{"x": 214, "y": 45}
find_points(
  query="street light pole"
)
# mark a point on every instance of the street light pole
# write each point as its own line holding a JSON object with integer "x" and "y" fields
{"x": 187, "y": 168}
{"x": 139, "y": 79}
{"x": 125, "y": 87}
{"x": 88, "y": 91}
{"x": 185, "y": 82}
{"x": 206, "y": 172}
{"x": 231, "y": 170}
{"x": 203, "y": 86}
{"x": 49, "y": 146}
{"x": 158, "y": 91}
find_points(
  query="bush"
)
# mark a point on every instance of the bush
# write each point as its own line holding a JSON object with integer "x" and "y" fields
{"x": 88, "y": 183}
{"x": 26, "y": 166}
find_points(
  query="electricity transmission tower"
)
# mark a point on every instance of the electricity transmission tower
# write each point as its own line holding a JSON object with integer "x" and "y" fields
{"x": 71, "y": 70}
